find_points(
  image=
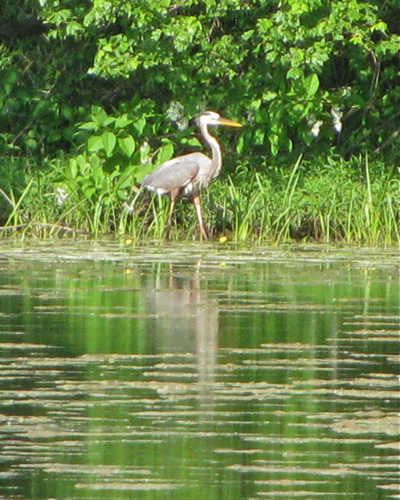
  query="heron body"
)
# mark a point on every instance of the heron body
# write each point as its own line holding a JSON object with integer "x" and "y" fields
{"x": 185, "y": 176}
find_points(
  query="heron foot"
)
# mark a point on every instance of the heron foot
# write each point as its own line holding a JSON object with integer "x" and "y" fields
{"x": 203, "y": 233}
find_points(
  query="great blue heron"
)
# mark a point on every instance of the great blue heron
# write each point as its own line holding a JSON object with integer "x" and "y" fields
{"x": 186, "y": 175}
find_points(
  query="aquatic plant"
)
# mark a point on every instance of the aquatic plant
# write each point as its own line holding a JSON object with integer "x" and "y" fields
{"x": 337, "y": 201}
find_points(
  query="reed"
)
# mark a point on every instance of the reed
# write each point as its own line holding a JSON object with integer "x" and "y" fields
{"x": 338, "y": 201}
{"x": 327, "y": 203}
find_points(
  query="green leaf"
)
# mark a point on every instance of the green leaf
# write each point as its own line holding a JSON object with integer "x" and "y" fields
{"x": 88, "y": 190}
{"x": 88, "y": 126}
{"x": 99, "y": 116}
{"x": 122, "y": 121}
{"x": 269, "y": 95}
{"x": 10, "y": 79}
{"x": 274, "y": 143}
{"x": 126, "y": 179}
{"x": 311, "y": 84}
{"x": 165, "y": 153}
{"x": 192, "y": 141}
{"x": 109, "y": 141}
{"x": 259, "y": 136}
{"x": 127, "y": 144}
{"x": 240, "y": 143}
{"x": 81, "y": 161}
{"x": 295, "y": 73}
{"x": 95, "y": 143}
{"x": 139, "y": 124}
{"x": 73, "y": 168}
{"x": 109, "y": 121}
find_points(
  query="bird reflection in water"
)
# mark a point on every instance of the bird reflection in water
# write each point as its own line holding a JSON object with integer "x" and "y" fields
{"x": 184, "y": 319}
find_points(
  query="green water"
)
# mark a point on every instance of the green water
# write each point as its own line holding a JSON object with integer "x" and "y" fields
{"x": 198, "y": 372}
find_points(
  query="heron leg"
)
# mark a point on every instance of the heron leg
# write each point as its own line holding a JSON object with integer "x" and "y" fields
{"x": 173, "y": 197}
{"x": 197, "y": 205}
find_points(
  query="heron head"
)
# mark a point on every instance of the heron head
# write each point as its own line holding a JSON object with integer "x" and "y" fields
{"x": 213, "y": 118}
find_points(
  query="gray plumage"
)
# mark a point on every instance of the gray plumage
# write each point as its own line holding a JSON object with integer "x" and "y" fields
{"x": 188, "y": 173}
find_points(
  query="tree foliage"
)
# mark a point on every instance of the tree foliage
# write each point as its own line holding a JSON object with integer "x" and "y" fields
{"x": 294, "y": 69}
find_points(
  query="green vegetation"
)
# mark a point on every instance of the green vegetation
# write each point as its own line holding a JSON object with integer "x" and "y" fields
{"x": 94, "y": 95}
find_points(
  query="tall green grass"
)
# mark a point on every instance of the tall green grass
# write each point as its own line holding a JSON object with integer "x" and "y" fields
{"x": 335, "y": 201}
{"x": 332, "y": 202}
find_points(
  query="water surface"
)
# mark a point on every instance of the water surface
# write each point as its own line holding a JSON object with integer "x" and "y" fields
{"x": 198, "y": 371}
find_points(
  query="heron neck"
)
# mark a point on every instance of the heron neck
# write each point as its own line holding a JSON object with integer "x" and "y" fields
{"x": 216, "y": 154}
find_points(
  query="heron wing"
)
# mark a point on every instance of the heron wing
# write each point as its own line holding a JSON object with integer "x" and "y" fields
{"x": 175, "y": 174}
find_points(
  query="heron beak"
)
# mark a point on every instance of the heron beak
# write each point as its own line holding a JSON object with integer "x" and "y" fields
{"x": 229, "y": 123}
